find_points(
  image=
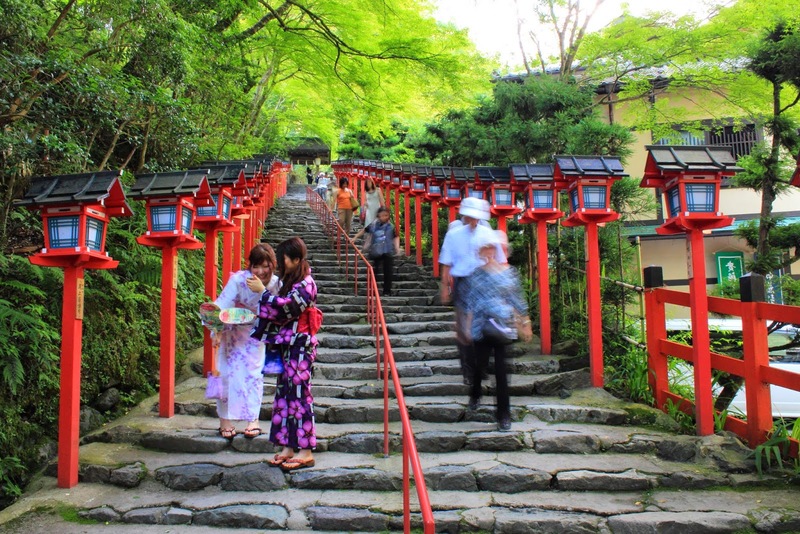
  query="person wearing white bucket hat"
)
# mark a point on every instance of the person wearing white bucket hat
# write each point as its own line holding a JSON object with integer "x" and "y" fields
{"x": 459, "y": 258}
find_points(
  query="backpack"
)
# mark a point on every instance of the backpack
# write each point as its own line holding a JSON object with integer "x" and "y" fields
{"x": 381, "y": 242}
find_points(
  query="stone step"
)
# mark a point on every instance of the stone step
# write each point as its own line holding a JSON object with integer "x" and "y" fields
{"x": 433, "y": 409}
{"x": 401, "y": 354}
{"x": 410, "y": 340}
{"x": 340, "y": 303}
{"x": 393, "y": 327}
{"x": 333, "y": 317}
{"x": 355, "y": 462}
{"x": 454, "y": 510}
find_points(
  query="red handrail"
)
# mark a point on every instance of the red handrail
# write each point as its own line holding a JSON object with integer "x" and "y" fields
{"x": 378, "y": 324}
{"x": 753, "y": 367}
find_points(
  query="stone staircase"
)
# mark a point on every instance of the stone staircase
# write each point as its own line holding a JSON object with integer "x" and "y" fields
{"x": 576, "y": 459}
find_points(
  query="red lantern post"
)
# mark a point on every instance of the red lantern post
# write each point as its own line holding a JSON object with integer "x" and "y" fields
{"x": 451, "y": 190}
{"x": 418, "y": 189}
{"x": 690, "y": 178}
{"x": 471, "y": 186}
{"x": 171, "y": 199}
{"x": 397, "y": 172}
{"x": 75, "y": 210}
{"x": 590, "y": 179}
{"x": 541, "y": 207}
{"x": 406, "y": 177}
{"x": 501, "y": 192}
{"x": 433, "y": 194}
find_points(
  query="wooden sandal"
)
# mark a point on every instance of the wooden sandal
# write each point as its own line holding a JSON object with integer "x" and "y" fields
{"x": 227, "y": 433}
{"x": 296, "y": 463}
{"x": 278, "y": 460}
{"x": 251, "y": 433}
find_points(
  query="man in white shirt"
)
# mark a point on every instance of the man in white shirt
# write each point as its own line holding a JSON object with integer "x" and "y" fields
{"x": 458, "y": 258}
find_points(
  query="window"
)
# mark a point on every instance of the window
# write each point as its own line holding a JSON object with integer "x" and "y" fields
{"x": 739, "y": 137}
{"x": 542, "y": 198}
{"x": 594, "y": 197}
{"x": 163, "y": 218}
{"x": 94, "y": 233}
{"x": 63, "y": 231}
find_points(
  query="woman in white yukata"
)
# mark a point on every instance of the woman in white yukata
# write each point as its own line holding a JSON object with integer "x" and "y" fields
{"x": 240, "y": 358}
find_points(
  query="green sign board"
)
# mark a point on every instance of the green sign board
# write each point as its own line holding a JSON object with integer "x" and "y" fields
{"x": 730, "y": 266}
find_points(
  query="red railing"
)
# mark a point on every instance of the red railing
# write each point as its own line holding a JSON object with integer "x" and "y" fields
{"x": 354, "y": 261}
{"x": 753, "y": 368}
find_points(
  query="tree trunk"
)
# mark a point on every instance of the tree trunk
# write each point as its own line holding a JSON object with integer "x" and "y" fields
{"x": 111, "y": 148}
{"x": 768, "y": 194}
{"x": 145, "y": 141}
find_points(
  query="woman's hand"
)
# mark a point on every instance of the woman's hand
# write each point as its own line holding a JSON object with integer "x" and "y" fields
{"x": 255, "y": 284}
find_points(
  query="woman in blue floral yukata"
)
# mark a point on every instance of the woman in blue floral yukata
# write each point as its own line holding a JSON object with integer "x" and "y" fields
{"x": 286, "y": 321}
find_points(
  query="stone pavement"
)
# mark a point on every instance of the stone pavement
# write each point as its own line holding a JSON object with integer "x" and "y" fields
{"x": 576, "y": 459}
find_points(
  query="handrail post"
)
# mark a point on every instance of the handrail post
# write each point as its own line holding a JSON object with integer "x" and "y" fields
{"x": 756, "y": 357}
{"x": 653, "y": 278}
{"x": 406, "y": 488}
{"x": 411, "y": 462}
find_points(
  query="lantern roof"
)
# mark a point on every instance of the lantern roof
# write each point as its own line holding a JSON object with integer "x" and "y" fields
{"x": 441, "y": 173}
{"x": 396, "y": 167}
{"x": 422, "y": 171}
{"x": 408, "y": 169}
{"x": 224, "y": 174}
{"x": 181, "y": 183}
{"x": 540, "y": 172}
{"x": 499, "y": 175}
{"x": 665, "y": 162}
{"x": 104, "y": 187}
{"x": 588, "y": 167}
{"x": 463, "y": 174}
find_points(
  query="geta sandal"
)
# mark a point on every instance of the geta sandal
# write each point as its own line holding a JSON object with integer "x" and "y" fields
{"x": 227, "y": 433}
{"x": 278, "y": 460}
{"x": 251, "y": 433}
{"x": 296, "y": 463}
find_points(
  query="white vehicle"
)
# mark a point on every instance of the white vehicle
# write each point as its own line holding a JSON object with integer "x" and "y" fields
{"x": 785, "y": 402}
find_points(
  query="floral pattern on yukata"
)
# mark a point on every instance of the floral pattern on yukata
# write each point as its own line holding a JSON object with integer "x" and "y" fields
{"x": 293, "y": 422}
{"x": 493, "y": 294}
{"x": 240, "y": 358}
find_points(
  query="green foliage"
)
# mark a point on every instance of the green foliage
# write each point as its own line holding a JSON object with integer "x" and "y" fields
{"x": 158, "y": 84}
{"x": 683, "y": 419}
{"x": 522, "y": 123}
{"x": 10, "y": 468}
{"x": 120, "y": 345}
{"x": 774, "y": 451}
{"x": 627, "y": 373}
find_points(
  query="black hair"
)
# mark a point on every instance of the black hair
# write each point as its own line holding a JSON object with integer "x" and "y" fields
{"x": 343, "y": 182}
{"x": 293, "y": 248}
